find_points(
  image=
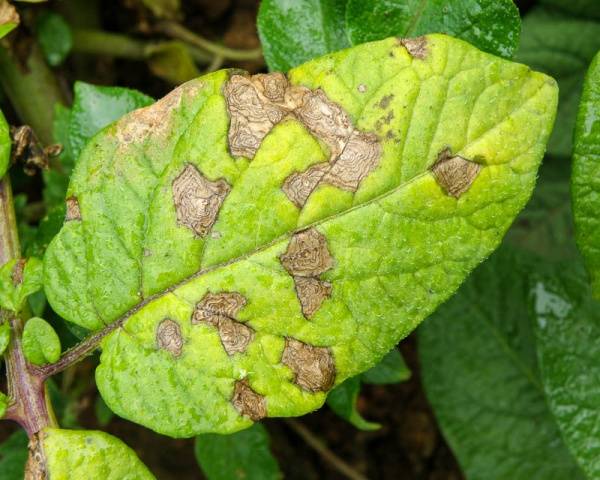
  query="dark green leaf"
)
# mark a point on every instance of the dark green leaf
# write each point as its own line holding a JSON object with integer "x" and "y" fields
{"x": 103, "y": 414}
{"x": 13, "y": 455}
{"x": 242, "y": 455}
{"x": 582, "y": 8}
{"x": 480, "y": 374}
{"x": 342, "y": 400}
{"x": 391, "y": 369}
{"x": 563, "y": 47}
{"x": 54, "y": 36}
{"x": 491, "y": 25}
{"x": 294, "y": 32}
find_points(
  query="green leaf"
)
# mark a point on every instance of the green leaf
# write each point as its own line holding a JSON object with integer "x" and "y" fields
{"x": 104, "y": 415}
{"x": 292, "y": 33}
{"x": 390, "y": 369}
{"x": 95, "y": 107}
{"x": 54, "y": 36}
{"x": 172, "y": 62}
{"x": 342, "y": 400}
{"x": 491, "y": 25}
{"x": 241, "y": 455}
{"x": 3, "y": 405}
{"x": 13, "y": 455}
{"x": 563, "y": 47}
{"x": 585, "y": 181}
{"x": 90, "y": 454}
{"x": 212, "y": 326}
{"x": 4, "y": 336}
{"x": 5, "y": 144}
{"x": 481, "y": 377}
{"x": 567, "y": 326}
{"x": 40, "y": 342}
{"x": 9, "y": 18}
{"x": 19, "y": 279}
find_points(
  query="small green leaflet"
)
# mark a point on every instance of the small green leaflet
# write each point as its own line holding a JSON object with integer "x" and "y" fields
{"x": 71, "y": 454}
{"x": 391, "y": 369}
{"x": 342, "y": 400}
{"x": 226, "y": 289}
{"x": 567, "y": 327}
{"x": 54, "y": 36}
{"x": 40, "y": 342}
{"x": 5, "y": 143}
{"x": 561, "y": 46}
{"x": 19, "y": 279}
{"x": 585, "y": 181}
{"x": 13, "y": 455}
{"x": 480, "y": 374}
{"x": 295, "y": 32}
{"x": 243, "y": 454}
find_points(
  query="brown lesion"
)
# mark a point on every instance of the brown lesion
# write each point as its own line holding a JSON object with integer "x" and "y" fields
{"x": 198, "y": 200}
{"x": 311, "y": 292}
{"x": 219, "y": 310}
{"x": 247, "y": 402}
{"x": 299, "y": 185}
{"x": 168, "y": 337}
{"x": 454, "y": 173}
{"x": 18, "y": 271}
{"x": 313, "y": 367}
{"x": 416, "y": 47}
{"x": 73, "y": 210}
{"x": 307, "y": 254}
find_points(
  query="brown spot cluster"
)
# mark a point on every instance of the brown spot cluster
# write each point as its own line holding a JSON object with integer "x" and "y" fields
{"x": 248, "y": 402}
{"x": 198, "y": 200}
{"x": 454, "y": 173}
{"x": 73, "y": 211}
{"x": 219, "y": 310}
{"x": 168, "y": 337}
{"x": 307, "y": 257}
{"x": 313, "y": 367}
{"x": 257, "y": 103}
{"x": 416, "y": 47}
{"x": 35, "y": 468}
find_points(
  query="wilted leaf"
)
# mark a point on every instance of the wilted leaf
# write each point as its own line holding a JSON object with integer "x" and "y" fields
{"x": 342, "y": 400}
{"x": 480, "y": 374}
{"x": 391, "y": 369}
{"x": 567, "y": 325}
{"x": 294, "y": 32}
{"x": 9, "y": 18}
{"x": 236, "y": 287}
{"x": 4, "y": 145}
{"x": 563, "y": 47}
{"x": 19, "y": 279}
{"x": 491, "y": 25}
{"x": 4, "y": 336}
{"x": 241, "y": 455}
{"x": 13, "y": 455}
{"x": 71, "y": 454}
{"x": 54, "y": 36}
{"x": 40, "y": 342}
{"x": 173, "y": 62}
{"x": 586, "y": 174}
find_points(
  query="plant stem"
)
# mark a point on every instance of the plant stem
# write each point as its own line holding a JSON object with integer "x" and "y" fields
{"x": 321, "y": 448}
{"x": 28, "y": 404}
{"x": 33, "y": 91}
{"x": 175, "y": 30}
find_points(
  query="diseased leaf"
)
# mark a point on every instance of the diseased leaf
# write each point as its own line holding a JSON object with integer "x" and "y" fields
{"x": 241, "y": 455}
{"x": 563, "y": 47}
{"x": 585, "y": 181}
{"x": 294, "y": 32}
{"x": 13, "y": 455}
{"x": 357, "y": 199}
{"x": 567, "y": 326}
{"x": 391, "y": 369}
{"x": 4, "y": 145}
{"x": 9, "y": 18}
{"x": 40, "y": 342}
{"x": 19, "y": 279}
{"x": 4, "y": 336}
{"x": 342, "y": 400}
{"x": 54, "y": 36}
{"x": 491, "y": 25}
{"x": 71, "y": 454}
{"x": 480, "y": 374}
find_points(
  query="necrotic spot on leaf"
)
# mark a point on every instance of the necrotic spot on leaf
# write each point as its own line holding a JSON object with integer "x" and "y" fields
{"x": 197, "y": 199}
{"x": 307, "y": 254}
{"x": 235, "y": 336}
{"x": 299, "y": 186}
{"x": 17, "y": 271}
{"x": 73, "y": 211}
{"x": 455, "y": 174}
{"x": 311, "y": 292}
{"x": 248, "y": 402}
{"x": 313, "y": 367}
{"x": 168, "y": 336}
{"x": 416, "y": 47}
{"x": 385, "y": 101}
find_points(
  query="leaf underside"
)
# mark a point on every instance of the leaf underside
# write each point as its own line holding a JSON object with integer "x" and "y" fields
{"x": 250, "y": 243}
{"x": 585, "y": 180}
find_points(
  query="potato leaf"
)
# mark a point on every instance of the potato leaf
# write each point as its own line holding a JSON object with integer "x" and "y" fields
{"x": 391, "y": 369}
{"x": 247, "y": 243}
{"x": 585, "y": 181}
{"x": 54, "y": 36}
{"x": 40, "y": 342}
{"x": 480, "y": 374}
{"x": 342, "y": 400}
{"x": 19, "y": 279}
{"x": 5, "y": 144}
